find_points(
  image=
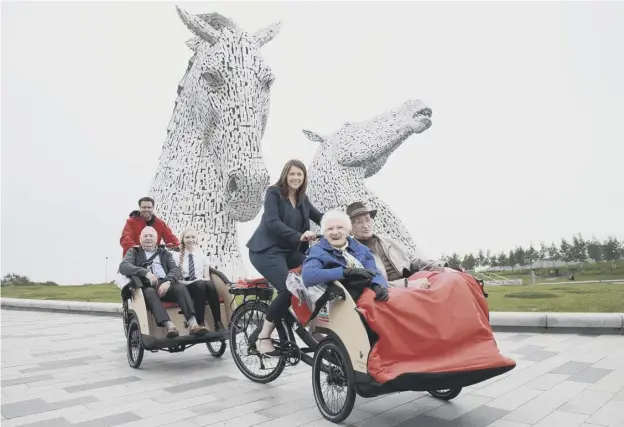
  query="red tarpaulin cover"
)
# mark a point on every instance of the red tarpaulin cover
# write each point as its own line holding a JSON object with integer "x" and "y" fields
{"x": 444, "y": 329}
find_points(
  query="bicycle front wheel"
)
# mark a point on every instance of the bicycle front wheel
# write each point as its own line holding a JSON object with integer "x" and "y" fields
{"x": 246, "y": 320}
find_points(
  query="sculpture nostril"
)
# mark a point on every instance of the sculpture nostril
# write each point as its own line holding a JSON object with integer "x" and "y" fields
{"x": 232, "y": 185}
{"x": 423, "y": 112}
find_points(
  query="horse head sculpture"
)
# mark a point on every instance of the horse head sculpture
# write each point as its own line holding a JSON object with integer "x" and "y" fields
{"x": 211, "y": 173}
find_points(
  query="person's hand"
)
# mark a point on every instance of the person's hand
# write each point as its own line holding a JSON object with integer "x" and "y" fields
{"x": 371, "y": 273}
{"x": 163, "y": 288}
{"x": 381, "y": 293}
{"x": 152, "y": 278}
{"x": 357, "y": 273}
{"x": 308, "y": 236}
{"x": 422, "y": 283}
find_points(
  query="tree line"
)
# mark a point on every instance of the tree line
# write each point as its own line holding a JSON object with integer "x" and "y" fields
{"x": 13, "y": 279}
{"x": 576, "y": 250}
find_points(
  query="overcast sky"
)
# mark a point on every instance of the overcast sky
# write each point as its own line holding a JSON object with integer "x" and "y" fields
{"x": 526, "y": 143}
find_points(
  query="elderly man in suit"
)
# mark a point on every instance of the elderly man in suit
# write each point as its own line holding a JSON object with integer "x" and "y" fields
{"x": 392, "y": 258}
{"x": 161, "y": 282}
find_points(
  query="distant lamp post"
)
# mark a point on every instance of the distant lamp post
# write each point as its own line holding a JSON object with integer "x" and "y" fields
{"x": 106, "y": 272}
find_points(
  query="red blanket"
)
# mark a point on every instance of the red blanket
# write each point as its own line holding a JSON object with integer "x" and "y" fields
{"x": 443, "y": 329}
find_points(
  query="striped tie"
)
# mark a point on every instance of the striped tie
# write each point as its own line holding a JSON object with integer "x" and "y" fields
{"x": 191, "y": 268}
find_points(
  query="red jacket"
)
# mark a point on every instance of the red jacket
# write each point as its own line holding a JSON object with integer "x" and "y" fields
{"x": 135, "y": 224}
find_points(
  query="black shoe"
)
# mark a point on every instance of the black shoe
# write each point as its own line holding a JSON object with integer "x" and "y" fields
{"x": 272, "y": 353}
{"x": 219, "y": 327}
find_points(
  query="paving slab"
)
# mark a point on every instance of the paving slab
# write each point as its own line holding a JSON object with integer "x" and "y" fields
{"x": 76, "y": 374}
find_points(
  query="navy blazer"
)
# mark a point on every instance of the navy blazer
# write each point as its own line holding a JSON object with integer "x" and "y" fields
{"x": 273, "y": 232}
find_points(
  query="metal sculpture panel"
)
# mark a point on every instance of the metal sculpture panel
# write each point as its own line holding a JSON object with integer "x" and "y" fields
{"x": 211, "y": 174}
{"x": 358, "y": 151}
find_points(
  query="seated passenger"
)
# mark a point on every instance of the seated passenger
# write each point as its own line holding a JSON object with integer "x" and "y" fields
{"x": 160, "y": 276}
{"x": 195, "y": 269}
{"x": 340, "y": 257}
{"x": 391, "y": 257}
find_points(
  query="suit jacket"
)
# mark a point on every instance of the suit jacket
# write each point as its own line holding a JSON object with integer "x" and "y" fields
{"x": 273, "y": 232}
{"x": 134, "y": 261}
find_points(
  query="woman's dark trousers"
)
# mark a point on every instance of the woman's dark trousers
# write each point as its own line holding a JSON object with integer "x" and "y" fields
{"x": 202, "y": 291}
{"x": 273, "y": 264}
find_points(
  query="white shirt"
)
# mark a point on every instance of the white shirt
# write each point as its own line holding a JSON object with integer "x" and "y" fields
{"x": 200, "y": 261}
{"x": 156, "y": 268}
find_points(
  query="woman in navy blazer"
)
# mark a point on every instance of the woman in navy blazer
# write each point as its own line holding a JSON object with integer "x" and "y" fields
{"x": 280, "y": 242}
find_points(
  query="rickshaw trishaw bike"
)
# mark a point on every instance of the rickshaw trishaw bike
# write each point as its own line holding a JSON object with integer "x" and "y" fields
{"x": 143, "y": 334}
{"x": 342, "y": 348}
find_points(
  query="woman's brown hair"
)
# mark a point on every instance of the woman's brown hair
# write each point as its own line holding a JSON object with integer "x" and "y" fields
{"x": 282, "y": 182}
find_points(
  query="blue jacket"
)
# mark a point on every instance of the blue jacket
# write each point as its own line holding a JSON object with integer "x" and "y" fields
{"x": 324, "y": 263}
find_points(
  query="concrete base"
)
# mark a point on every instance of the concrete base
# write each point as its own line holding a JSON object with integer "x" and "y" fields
{"x": 584, "y": 323}
{"x": 82, "y": 307}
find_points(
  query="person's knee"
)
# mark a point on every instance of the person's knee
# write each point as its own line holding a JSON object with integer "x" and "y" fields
{"x": 206, "y": 283}
{"x": 178, "y": 286}
{"x": 198, "y": 286}
{"x": 180, "y": 289}
{"x": 150, "y": 293}
{"x": 210, "y": 286}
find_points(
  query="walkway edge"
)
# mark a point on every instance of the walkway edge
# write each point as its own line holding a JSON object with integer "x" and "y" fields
{"x": 586, "y": 323}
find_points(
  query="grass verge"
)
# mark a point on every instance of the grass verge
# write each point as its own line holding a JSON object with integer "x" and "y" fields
{"x": 590, "y": 298}
{"x": 568, "y": 297}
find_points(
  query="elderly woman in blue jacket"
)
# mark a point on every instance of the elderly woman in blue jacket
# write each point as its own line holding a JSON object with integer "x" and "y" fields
{"x": 337, "y": 256}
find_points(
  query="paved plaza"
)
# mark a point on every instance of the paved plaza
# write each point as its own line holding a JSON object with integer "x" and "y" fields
{"x": 63, "y": 370}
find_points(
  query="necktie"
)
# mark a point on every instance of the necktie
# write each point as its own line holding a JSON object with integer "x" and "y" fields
{"x": 191, "y": 268}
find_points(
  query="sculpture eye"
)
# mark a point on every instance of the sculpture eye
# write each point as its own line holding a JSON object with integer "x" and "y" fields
{"x": 269, "y": 82}
{"x": 212, "y": 78}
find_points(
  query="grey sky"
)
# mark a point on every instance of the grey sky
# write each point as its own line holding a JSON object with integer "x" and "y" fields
{"x": 526, "y": 143}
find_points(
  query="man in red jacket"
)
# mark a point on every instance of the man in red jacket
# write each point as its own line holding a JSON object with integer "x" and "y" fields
{"x": 138, "y": 220}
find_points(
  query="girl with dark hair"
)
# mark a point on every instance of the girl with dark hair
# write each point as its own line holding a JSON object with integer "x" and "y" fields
{"x": 280, "y": 242}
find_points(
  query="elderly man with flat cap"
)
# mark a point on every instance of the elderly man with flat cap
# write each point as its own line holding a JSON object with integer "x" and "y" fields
{"x": 392, "y": 258}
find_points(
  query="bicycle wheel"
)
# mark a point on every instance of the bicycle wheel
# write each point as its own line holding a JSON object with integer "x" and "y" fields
{"x": 333, "y": 381}
{"x": 216, "y": 348}
{"x": 245, "y": 320}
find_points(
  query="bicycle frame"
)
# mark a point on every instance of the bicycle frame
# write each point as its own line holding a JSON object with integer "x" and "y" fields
{"x": 290, "y": 322}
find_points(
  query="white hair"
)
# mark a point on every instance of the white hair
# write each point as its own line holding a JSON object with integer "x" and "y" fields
{"x": 336, "y": 215}
{"x": 149, "y": 228}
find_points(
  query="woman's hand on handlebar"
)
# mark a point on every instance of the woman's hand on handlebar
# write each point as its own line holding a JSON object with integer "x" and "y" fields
{"x": 308, "y": 236}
